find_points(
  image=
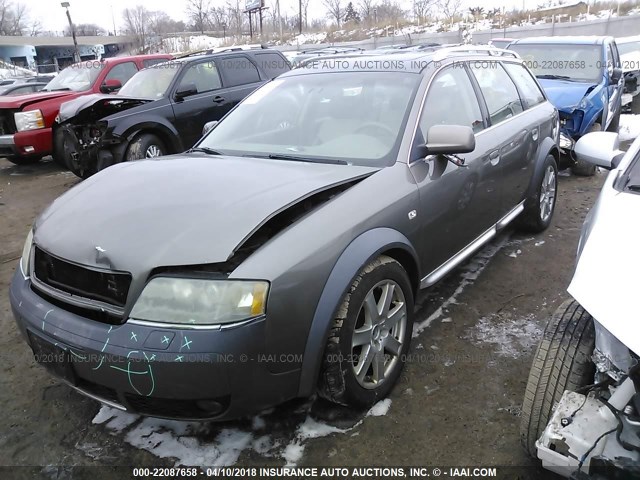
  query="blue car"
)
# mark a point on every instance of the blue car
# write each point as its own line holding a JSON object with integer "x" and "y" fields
{"x": 582, "y": 77}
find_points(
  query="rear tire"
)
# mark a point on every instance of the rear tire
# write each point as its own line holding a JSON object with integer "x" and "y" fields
{"x": 562, "y": 362}
{"x": 366, "y": 349}
{"x": 145, "y": 145}
{"x": 583, "y": 168}
{"x": 539, "y": 208}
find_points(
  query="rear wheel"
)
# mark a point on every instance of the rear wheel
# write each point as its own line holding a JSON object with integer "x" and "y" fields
{"x": 583, "y": 168}
{"x": 539, "y": 208}
{"x": 369, "y": 337}
{"x": 562, "y": 362}
{"x": 145, "y": 145}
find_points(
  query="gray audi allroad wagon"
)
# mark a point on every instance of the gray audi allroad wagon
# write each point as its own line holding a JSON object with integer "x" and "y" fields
{"x": 281, "y": 255}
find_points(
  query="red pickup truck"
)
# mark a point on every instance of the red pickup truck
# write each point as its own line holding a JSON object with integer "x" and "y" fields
{"x": 26, "y": 121}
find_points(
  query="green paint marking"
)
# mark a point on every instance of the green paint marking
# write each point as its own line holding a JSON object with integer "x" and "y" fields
{"x": 105, "y": 345}
{"x": 99, "y": 365}
{"x": 81, "y": 357}
{"x": 187, "y": 343}
{"x": 129, "y": 371}
{"x": 179, "y": 358}
{"x": 134, "y": 337}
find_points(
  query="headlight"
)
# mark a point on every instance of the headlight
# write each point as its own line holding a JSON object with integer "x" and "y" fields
{"x": 200, "y": 301}
{"x": 26, "y": 254}
{"x": 31, "y": 120}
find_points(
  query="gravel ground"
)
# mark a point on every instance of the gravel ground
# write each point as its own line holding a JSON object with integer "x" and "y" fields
{"x": 457, "y": 403}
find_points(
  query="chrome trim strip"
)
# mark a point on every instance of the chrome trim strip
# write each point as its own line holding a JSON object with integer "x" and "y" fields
{"x": 504, "y": 221}
{"x": 96, "y": 398}
{"x": 458, "y": 258}
{"x": 188, "y": 326}
{"x": 7, "y": 140}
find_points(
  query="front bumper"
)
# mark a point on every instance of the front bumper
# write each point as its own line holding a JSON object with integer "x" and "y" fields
{"x": 185, "y": 373}
{"x": 29, "y": 144}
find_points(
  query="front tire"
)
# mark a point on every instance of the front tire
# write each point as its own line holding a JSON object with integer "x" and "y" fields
{"x": 583, "y": 168}
{"x": 370, "y": 336}
{"x": 58, "y": 148}
{"x": 562, "y": 362}
{"x": 146, "y": 145}
{"x": 539, "y": 208}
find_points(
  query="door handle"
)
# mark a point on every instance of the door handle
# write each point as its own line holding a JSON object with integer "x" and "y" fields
{"x": 494, "y": 157}
{"x": 218, "y": 99}
{"x": 534, "y": 134}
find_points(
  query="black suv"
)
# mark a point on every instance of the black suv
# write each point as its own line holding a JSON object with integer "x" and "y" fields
{"x": 162, "y": 109}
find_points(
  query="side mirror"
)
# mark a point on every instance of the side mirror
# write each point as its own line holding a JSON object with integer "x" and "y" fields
{"x": 449, "y": 139}
{"x": 186, "y": 90}
{"x": 599, "y": 148}
{"x": 110, "y": 85}
{"x": 208, "y": 126}
{"x": 616, "y": 75}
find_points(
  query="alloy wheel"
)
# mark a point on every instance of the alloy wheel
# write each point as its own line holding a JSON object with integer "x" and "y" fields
{"x": 548, "y": 193}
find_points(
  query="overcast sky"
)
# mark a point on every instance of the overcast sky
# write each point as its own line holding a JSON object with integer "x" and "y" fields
{"x": 52, "y": 15}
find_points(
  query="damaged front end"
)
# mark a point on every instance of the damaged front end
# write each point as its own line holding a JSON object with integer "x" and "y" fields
{"x": 595, "y": 431}
{"x": 87, "y": 143}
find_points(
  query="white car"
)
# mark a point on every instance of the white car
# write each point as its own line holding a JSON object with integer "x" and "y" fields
{"x": 629, "y": 49}
{"x": 581, "y": 410}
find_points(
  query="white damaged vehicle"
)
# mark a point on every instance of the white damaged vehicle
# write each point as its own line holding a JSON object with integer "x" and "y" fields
{"x": 581, "y": 410}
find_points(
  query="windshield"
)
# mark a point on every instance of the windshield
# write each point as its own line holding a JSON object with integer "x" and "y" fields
{"x": 624, "y": 48}
{"x": 579, "y": 63}
{"x": 151, "y": 82}
{"x": 356, "y": 118}
{"x": 78, "y": 77}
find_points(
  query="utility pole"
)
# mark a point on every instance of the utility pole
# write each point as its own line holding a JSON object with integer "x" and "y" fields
{"x": 279, "y": 17}
{"x": 113, "y": 20}
{"x": 300, "y": 10}
{"x": 66, "y": 5}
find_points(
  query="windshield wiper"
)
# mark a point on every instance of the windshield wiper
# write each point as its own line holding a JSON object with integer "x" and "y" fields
{"x": 555, "y": 77}
{"x": 306, "y": 159}
{"x": 58, "y": 89}
{"x": 207, "y": 150}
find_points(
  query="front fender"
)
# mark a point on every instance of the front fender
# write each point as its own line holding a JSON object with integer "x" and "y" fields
{"x": 547, "y": 147}
{"x": 359, "y": 253}
{"x": 129, "y": 128}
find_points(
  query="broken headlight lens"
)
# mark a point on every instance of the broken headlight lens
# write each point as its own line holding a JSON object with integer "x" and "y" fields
{"x": 26, "y": 254}
{"x": 200, "y": 301}
{"x": 31, "y": 120}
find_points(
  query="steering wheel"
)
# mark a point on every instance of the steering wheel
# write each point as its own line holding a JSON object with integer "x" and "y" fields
{"x": 375, "y": 128}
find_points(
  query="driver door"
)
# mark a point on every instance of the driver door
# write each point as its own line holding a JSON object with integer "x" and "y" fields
{"x": 457, "y": 203}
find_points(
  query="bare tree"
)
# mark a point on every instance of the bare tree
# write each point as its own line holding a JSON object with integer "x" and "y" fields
{"x": 450, "y": 8}
{"x": 136, "y": 21}
{"x": 13, "y": 18}
{"x": 305, "y": 13}
{"x": 335, "y": 10}
{"x": 421, "y": 8}
{"x": 366, "y": 8}
{"x": 389, "y": 12}
{"x": 198, "y": 13}
{"x": 85, "y": 30}
{"x": 235, "y": 15}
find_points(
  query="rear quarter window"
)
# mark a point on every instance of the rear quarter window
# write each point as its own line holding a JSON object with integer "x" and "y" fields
{"x": 238, "y": 71}
{"x": 272, "y": 64}
{"x": 525, "y": 82}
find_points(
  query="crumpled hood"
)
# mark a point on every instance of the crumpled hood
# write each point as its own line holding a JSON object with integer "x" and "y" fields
{"x": 98, "y": 105}
{"x": 605, "y": 282}
{"x": 178, "y": 210}
{"x": 565, "y": 95}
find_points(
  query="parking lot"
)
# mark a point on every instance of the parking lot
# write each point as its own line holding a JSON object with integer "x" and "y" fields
{"x": 457, "y": 402}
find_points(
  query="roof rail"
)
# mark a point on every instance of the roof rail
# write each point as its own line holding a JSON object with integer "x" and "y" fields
{"x": 445, "y": 52}
{"x": 233, "y": 48}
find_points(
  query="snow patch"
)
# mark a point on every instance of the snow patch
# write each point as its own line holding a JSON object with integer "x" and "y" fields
{"x": 537, "y": 244}
{"x": 629, "y": 127}
{"x": 512, "y": 337}
{"x": 379, "y": 409}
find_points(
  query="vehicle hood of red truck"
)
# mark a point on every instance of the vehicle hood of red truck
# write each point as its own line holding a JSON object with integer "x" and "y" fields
{"x": 21, "y": 101}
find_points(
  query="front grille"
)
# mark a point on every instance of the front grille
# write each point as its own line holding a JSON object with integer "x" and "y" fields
{"x": 101, "y": 316}
{"x": 103, "y": 286}
{"x": 7, "y": 123}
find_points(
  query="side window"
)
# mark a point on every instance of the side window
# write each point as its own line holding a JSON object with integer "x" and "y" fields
{"x": 530, "y": 90}
{"x": 23, "y": 90}
{"x": 239, "y": 71}
{"x": 149, "y": 62}
{"x": 203, "y": 75}
{"x": 272, "y": 64}
{"x": 499, "y": 92}
{"x": 122, "y": 72}
{"x": 449, "y": 84}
